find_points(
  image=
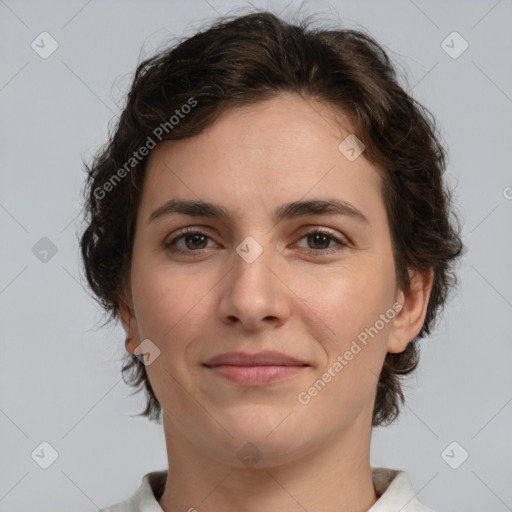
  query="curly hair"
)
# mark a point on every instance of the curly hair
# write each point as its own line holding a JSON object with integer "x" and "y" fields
{"x": 243, "y": 60}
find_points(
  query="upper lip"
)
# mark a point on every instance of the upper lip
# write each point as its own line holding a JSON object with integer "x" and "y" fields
{"x": 266, "y": 358}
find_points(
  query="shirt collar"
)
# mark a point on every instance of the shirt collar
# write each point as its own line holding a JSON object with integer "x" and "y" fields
{"x": 393, "y": 487}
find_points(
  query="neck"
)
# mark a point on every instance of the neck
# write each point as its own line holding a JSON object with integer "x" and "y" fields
{"x": 336, "y": 476}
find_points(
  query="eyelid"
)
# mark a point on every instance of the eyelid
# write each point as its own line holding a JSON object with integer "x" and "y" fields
{"x": 342, "y": 243}
{"x": 305, "y": 230}
{"x": 341, "y": 240}
{"x": 199, "y": 230}
{"x": 326, "y": 231}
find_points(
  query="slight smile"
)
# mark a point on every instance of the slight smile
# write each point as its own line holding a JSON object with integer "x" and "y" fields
{"x": 255, "y": 369}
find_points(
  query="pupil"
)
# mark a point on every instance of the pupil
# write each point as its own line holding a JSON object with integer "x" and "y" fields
{"x": 321, "y": 238}
{"x": 195, "y": 238}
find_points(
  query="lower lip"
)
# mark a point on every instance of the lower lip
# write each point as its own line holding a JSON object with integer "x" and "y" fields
{"x": 256, "y": 375}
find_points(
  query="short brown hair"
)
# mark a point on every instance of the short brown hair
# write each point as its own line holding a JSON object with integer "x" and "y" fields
{"x": 247, "y": 59}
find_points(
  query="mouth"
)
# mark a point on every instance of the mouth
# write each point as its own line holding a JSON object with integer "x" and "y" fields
{"x": 255, "y": 369}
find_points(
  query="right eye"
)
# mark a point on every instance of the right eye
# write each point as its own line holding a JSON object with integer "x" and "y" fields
{"x": 192, "y": 241}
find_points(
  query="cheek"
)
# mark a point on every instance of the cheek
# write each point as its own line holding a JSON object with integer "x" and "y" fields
{"x": 173, "y": 309}
{"x": 165, "y": 297}
{"x": 170, "y": 311}
{"x": 348, "y": 298}
{"x": 353, "y": 337}
{"x": 157, "y": 305}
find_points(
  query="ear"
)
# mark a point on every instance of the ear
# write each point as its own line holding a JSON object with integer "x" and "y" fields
{"x": 409, "y": 320}
{"x": 129, "y": 322}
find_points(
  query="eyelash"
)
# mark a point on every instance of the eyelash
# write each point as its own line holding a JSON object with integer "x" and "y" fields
{"x": 315, "y": 252}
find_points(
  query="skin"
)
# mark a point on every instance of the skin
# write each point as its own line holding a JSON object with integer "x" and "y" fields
{"x": 293, "y": 298}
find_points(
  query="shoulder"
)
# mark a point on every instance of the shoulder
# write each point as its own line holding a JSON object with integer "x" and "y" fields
{"x": 395, "y": 491}
{"x": 144, "y": 499}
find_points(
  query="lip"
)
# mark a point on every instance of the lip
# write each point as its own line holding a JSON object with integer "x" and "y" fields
{"x": 255, "y": 369}
{"x": 265, "y": 358}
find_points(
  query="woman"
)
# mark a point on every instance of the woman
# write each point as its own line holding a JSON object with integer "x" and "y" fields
{"x": 270, "y": 224}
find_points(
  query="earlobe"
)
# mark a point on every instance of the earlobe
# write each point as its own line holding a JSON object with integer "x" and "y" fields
{"x": 408, "y": 322}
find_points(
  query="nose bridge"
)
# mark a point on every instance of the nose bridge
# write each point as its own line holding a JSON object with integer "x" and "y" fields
{"x": 251, "y": 262}
{"x": 252, "y": 293}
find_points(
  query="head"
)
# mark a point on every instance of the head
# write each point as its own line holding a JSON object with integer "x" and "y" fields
{"x": 252, "y": 114}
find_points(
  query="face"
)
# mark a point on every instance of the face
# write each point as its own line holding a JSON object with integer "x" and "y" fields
{"x": 317, "y": 285}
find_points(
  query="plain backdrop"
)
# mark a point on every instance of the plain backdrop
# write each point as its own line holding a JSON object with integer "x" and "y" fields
{"x": 60, "y": 380}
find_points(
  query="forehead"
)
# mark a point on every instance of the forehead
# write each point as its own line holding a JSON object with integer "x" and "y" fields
{"x": 276, "y": 151}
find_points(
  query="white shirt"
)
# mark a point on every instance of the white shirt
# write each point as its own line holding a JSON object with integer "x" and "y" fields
{"x": 393, "y": 487}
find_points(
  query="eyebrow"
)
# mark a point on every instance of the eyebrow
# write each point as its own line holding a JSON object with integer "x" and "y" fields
{"x": 286, "y": 211}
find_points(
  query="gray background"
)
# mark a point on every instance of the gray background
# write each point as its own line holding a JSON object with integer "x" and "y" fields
{"x": 60, "y": 376}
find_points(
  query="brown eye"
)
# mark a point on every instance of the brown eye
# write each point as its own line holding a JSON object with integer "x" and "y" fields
{"x": 188, "y": 241}
{"x": 194, "y": 241}
{"x": 319, "y": 243}
{"x": 319, "y": 240}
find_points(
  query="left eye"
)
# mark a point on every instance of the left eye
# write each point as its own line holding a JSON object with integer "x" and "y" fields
{"x": 321, "y": 240}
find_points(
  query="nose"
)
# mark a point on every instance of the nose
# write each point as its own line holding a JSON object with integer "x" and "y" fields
{"x": 254, "y": 295}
